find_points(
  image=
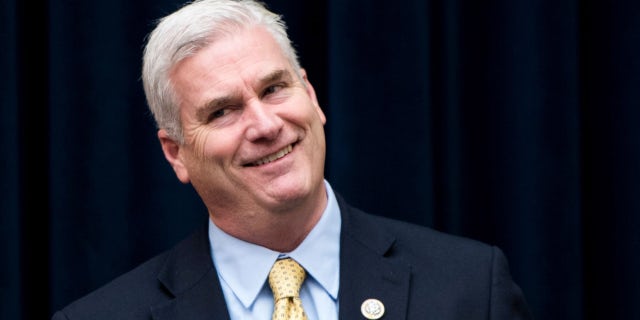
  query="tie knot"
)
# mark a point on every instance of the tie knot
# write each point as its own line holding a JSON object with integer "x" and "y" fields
{"x": 285, "y": 278}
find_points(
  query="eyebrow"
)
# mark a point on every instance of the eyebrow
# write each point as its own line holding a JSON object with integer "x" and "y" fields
{"x": 203, "y": 112}
{"x": 276, "y": 75}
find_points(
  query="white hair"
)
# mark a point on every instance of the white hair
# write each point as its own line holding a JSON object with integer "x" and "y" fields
{"x": 195, "y": 26}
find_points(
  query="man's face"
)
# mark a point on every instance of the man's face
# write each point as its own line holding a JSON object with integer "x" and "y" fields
{"x": 254, "y": 136}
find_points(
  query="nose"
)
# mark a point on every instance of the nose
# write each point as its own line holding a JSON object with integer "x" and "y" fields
{"x": 264, "y": 123}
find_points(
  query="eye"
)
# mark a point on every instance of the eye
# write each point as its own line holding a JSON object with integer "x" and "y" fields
{"x": 219, "y": 113}
{"x": 272, "y": 89}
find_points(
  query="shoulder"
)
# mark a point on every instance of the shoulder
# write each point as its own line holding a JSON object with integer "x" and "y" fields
{"x": 442, "y": 259}
{"x": 448, "y": 273}
{"x": 132, "y": 294}
{"x": 411, "y": 239}
{"x": 124, "y": 297}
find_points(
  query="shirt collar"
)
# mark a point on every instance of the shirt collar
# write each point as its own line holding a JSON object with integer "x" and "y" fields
{"x": 246, "y": 266}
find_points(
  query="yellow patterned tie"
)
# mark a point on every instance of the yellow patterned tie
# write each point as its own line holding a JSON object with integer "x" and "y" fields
{"x": 285, "y": 279}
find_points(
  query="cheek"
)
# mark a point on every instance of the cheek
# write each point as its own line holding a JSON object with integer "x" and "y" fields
{"x": 216, "y": 147}
{"x": 198, "y": 140}
{"x": 316, "y": 118}
{"x": 320, "y": 114}
{"x": 303, "y": 111}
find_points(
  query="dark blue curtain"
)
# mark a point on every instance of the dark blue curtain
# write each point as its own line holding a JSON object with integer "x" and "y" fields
{"x": 512, "y": 122}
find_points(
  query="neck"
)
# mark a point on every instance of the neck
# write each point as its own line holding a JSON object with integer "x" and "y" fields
{"x": 281, "y": 231}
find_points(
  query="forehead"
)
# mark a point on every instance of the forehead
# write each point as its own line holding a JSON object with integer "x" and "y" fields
{"x": 247, "y": 55}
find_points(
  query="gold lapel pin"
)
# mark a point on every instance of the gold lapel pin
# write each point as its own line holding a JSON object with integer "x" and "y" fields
{"x": 372, "y": 309}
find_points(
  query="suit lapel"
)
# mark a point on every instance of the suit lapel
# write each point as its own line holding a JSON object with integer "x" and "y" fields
{"x": 366, "y": 271}
{"x": 190, "y": 277}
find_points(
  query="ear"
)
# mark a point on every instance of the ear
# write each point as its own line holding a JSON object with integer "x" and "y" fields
{"x": 312, "y": 95}
{"x": 171, "y": 150}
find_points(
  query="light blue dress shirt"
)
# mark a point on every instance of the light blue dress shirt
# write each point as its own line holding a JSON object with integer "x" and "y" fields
{"x": 243, "y": 269}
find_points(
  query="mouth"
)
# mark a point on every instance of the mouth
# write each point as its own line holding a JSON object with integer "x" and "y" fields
{"x": 272, "y": 157}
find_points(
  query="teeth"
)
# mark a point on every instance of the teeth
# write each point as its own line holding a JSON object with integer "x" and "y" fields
{"x": 274, "y": 156}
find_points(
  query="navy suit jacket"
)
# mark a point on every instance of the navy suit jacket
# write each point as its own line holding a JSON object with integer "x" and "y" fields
{"x": 416, "y": 272}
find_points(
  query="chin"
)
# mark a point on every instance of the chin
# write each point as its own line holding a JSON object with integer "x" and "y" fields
{"x": 285, "y": 193}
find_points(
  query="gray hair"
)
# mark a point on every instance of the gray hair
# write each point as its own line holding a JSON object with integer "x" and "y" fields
{"x": 183, "y": 33}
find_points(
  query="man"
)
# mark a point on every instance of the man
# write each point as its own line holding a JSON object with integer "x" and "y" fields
{"x": 239, "y": 120}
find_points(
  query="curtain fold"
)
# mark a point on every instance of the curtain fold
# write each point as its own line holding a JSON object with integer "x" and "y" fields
{"x": 610, "y": 112}
{"x": 9, "y": 203}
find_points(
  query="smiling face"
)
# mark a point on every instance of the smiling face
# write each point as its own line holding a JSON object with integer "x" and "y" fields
{"x": 254, "y": 139}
